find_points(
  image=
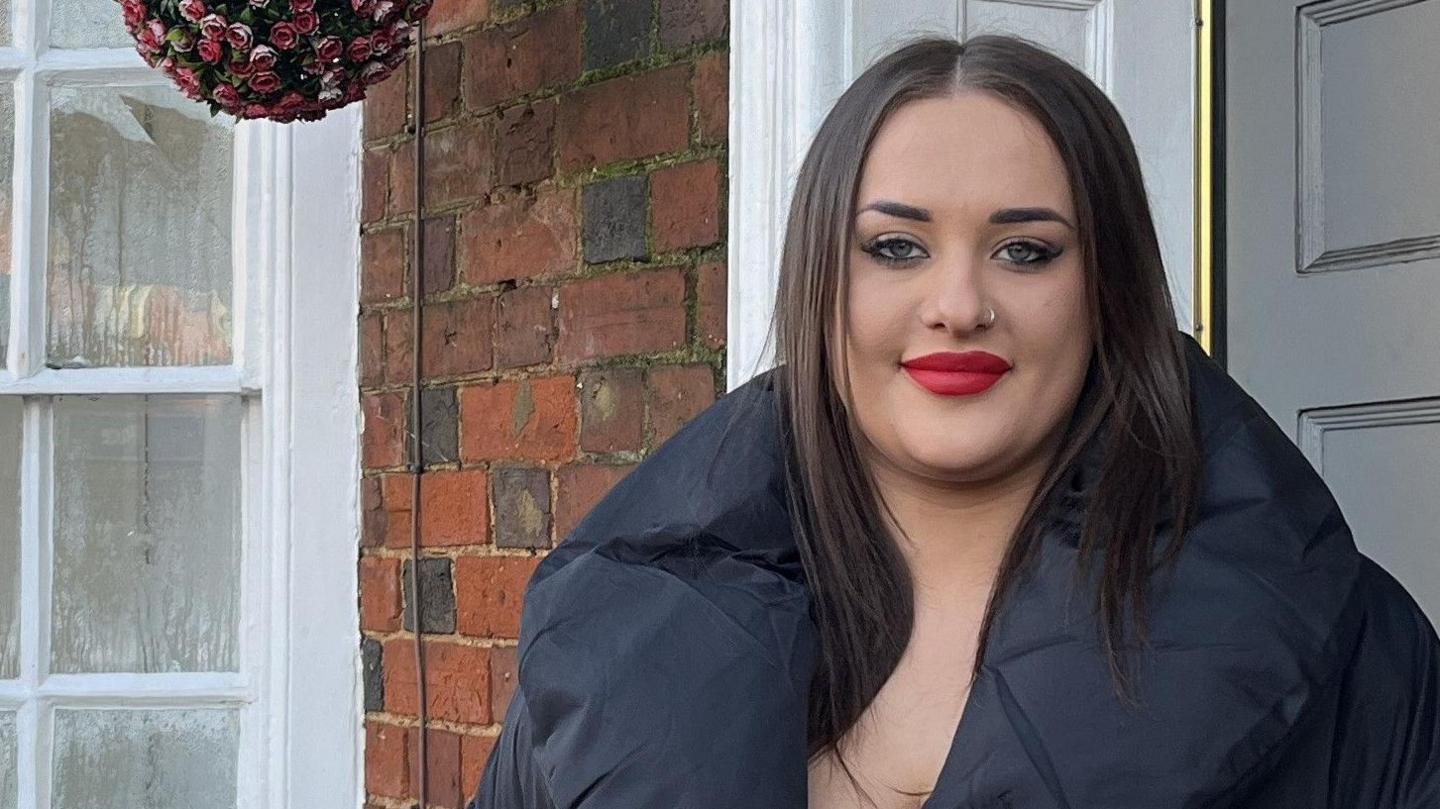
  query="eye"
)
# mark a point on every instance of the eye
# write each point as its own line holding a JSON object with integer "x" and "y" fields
{"x": 893, "y": 250}
{"x": 1027, "y": 253}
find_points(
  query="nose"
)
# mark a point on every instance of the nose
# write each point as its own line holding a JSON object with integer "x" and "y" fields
{"x": 954, "y": 298}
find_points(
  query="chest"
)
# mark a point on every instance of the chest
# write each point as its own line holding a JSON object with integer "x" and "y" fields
{"x": 897, "y": 748}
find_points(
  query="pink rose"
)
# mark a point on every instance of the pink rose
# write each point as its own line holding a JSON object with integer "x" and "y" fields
{"x": 329, "y": 48}
{"x": 227, "y": 95}
{"x": 383, "y": 10}
{"x": 263, "y": 57}
{"x": 134, "y": 13}
{"x": 239, "y": 36}
{"x": 302, "y": 5}
{"x": 264, "y": 82}
{"x": 373, "y": 72}
{"x": 382, "y": 41}
{"x": 283, "y": 36}
{"x": 167, "y": 66}
{"x": 290, "y": 101}
{"x": 213, "y": 26}
{"x": 192, "y": 10}
{"x": 188, "y": 81}
{"x": 211, "y": 51}
{"x": 362, "y": 7}
{"x": 359, "y": 49}
{"x": 241, "y": 67}
{"x": 306, "y": 22}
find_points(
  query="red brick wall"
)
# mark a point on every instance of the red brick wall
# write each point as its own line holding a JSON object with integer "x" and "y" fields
{"x": 575, "y": 159}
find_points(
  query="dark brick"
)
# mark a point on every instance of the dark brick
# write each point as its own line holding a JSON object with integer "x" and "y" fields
{"x": 616, "y": 31}
{"x": 612, "y": 410}
{"x": 372, "y": 658}
{"x": 439, "y": 258}
{"x": 442, "y": 80}
{"x": 525, "y": 143}
{"x": 685, "y": 22}
{"x": 613, "y": 219}
{"x": 522, "y": 507}
{"x": 437, "y": 596}
{"x": 440, "y": 420}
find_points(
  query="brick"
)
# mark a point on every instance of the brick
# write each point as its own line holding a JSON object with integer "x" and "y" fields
{"x": 685, "y": 22}
{"x": 525, "y": 138}
{"x": 622, "y": 313}
{"x": 387, "y": 760}
{"x": 442, "y": 757}
{"x": 373, "y": 520}
{"x": 380, "y": 604}
{"x": 474, "y": 755}
{"x": 492, "y": 591}
{"x": 383, "y": 259}
{"x": 454, "y": 508}
{"x": 383, "y": 442}
{"x": 459, "y": 163}
{"x": 685, "y": 204}
{"x": 372, "y": 666}
{"x": 439, "y": 426}
{"x": 524, "y": 327}
{"x": 528, "y": 235}
{"x": 712, "y": 96}
{"x": 437, "y": 596}
{"x": 457, "y": 680}
{"x": 401, "y": 197}
{"x": 387, "y": 105}
{"x": 372, "y": 349}
{"x": 374, "y": 184}
{"x": 578, "y": 488}
{"x": 439, "y": 258}
{"x": 452, "y": 15}
{"x": 396, "y": 496}
{"x": 515, "y": 59}
{"x": 457, "y": 337}
{"x": 504, "y": 674}
{"x": 677, "y": 394}
{"x": 613, "y": 213}
{"x": 626, "y": 117}
{"x": 399, "y": 359}
{"x": 531, "y": 419}
{"x": 521, "y": 497}
{"x": 711, "y": 293}
{"x": 612, "y": 410}
{"x": 441, "y": 82}
{"x": 616, "y": 31}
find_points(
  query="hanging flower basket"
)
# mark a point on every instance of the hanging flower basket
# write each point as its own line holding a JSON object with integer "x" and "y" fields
{"x": 278, "y": 59}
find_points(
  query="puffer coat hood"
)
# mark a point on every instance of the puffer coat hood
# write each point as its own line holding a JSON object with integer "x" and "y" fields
{"x": 666, "y": 649}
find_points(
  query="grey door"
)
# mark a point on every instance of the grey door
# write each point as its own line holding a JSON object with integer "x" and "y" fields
{"x": 1333, "y": 254}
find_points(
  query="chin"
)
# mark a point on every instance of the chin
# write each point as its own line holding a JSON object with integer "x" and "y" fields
{"x": 954, "y": 461}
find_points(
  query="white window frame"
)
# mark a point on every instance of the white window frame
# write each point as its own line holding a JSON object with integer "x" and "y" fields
{"x": 296, "y": 252}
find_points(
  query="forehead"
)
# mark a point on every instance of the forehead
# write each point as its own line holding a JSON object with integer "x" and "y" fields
{"x": 967, "y": 152}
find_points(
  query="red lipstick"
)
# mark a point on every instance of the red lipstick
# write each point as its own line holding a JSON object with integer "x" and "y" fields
{"x": 949, "y": 373}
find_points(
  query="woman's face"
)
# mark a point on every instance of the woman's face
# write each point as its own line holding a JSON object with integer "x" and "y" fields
{"x": 964, "y": 206}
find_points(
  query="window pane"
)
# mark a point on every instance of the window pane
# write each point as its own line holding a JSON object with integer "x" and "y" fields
{"x": 139, "y": 265}
{"x": 155, "y": 759}
{"x": 9, "y": 762}
{"x": 10, "y": 416}
{"x": 87, "y": 24}
{"x": 147, "y": 533}
{"x": 7, "y": 158}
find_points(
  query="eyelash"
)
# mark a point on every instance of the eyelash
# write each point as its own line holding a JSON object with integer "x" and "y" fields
{"x": 1044, "y": 253}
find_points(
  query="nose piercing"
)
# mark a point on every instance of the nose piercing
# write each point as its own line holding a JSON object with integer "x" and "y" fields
{"x": 987, "y": 324}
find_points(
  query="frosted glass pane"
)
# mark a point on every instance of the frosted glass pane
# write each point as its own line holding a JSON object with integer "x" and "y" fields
{"x": 139, "y": 268}
{"x": 10, "y": 415}
{"x": 147, "y": 533}
{"x": 9, "y": 762}
{"x": 88, "y": 24}
{"x": 7, "y": 161}
{"x": 145, "y": 759}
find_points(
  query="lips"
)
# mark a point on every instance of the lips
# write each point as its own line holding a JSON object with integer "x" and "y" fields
{"x": 950, "y": 373}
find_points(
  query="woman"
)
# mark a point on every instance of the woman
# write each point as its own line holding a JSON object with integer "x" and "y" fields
{"x": 993, "y": 532}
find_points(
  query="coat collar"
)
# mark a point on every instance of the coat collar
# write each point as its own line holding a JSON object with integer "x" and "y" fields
{"x": 1252, "y": 624}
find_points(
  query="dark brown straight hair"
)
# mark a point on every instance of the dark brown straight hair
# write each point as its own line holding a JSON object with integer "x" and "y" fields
{"x": 1134, "y": 413}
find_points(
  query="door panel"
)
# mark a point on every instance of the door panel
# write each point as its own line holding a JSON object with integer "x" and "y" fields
{"x": 1333, "y": 254}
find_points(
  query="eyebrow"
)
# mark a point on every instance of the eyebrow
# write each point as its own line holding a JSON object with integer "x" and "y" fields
{"x": 1004, "y": 216}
